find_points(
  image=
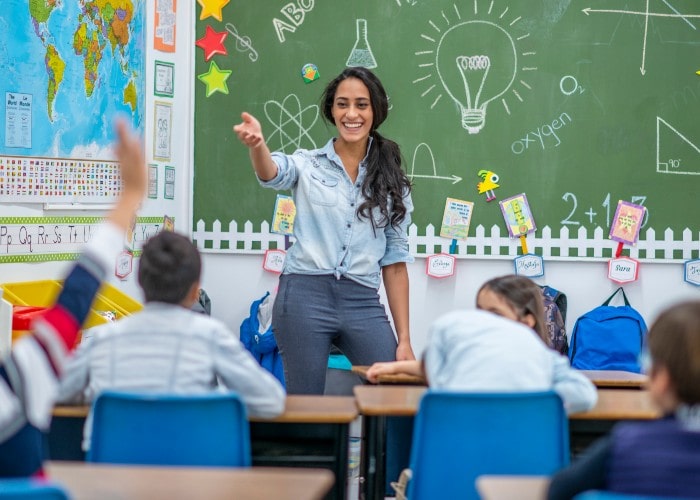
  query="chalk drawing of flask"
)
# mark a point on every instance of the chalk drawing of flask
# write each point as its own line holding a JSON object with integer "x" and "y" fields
{"x": 361, "y": 54}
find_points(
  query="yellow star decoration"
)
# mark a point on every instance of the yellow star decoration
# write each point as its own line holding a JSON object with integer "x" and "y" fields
{"x": 215, "y": 79}
{"x": 212, "y": 8}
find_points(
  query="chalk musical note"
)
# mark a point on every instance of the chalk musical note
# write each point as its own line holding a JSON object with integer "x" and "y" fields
{"x": 243, "y": 43}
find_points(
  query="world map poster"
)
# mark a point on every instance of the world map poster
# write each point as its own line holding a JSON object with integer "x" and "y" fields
{"x": 69, "y": 68}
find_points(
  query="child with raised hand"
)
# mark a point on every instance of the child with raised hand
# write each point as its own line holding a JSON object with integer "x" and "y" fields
{"x": 28, "y": 376}
{"x": 660, "y": 457}
{"x": 494, "y": 349}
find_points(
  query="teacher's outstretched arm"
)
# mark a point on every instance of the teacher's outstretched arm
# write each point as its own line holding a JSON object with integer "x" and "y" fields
{"x": 249, "y": 132}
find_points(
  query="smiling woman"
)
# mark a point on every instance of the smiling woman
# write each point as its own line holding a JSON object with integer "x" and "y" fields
{"x": 353, "y": 208}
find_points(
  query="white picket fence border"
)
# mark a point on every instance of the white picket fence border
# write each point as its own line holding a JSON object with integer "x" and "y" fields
{"x": 564, "y": 247}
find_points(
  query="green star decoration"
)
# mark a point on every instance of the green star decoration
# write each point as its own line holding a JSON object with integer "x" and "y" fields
{"x": 215, "y": 79}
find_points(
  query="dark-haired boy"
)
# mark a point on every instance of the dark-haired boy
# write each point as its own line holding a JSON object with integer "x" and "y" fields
{"x": 167, "y": 347}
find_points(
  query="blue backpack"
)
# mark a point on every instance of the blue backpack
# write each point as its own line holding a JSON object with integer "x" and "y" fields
{"x": 262, "y": 345}
{"x": 608, "y": 338}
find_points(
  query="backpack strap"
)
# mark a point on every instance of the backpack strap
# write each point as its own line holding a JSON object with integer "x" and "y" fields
{"x": 624, "y": 297}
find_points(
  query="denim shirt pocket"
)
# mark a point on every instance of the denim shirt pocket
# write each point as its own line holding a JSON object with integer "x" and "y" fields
{"x": 323, "y": 190}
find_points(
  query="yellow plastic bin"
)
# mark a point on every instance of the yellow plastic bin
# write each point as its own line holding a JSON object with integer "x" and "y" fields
{"x": 109, "y": 301}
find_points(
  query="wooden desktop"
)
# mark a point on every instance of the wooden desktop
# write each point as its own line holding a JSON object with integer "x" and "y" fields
{"x": 90, "y": 481}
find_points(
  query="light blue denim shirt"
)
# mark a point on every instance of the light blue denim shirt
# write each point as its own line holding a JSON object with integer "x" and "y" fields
{"x": 330, "y": 238}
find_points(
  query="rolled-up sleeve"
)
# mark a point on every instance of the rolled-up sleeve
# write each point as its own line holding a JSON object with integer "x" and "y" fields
{"x": 397, "y": 237}
{"x": 287, "y": 173}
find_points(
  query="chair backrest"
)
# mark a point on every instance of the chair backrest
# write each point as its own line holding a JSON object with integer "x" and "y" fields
{"x": 205, "y": 429}
{"x": 31, "y": 489}
{"x": 458, "y": 437}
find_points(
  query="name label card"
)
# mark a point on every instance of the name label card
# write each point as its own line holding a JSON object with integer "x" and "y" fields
{"x": 274, "y": 261}
{"x": 623, "y": 270}
{"x": 692, "y": 272}
{"x": 529, "y": 265}
{"x": 440, "y": 265}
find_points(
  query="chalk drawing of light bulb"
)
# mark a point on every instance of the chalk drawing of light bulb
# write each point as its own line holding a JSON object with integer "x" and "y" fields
{"x": 476, "y": 62}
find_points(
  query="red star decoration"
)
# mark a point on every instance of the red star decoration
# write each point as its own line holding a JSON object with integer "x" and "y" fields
{"x": 212, "y": 43}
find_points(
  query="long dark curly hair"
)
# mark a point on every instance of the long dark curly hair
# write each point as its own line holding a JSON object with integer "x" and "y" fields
{"x": 385, "y": 178}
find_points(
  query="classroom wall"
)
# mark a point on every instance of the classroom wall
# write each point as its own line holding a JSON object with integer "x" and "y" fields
{"x": 179, "y": 207}
{"x": 234, "y": 281}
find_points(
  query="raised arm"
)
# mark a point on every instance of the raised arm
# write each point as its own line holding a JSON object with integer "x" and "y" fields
{"x": 28, "y": 377}
{"x": 250, "y": 133}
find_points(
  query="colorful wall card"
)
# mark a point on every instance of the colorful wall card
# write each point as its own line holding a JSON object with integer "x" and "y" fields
{"x": 692, "y": 272}
{"x": 517, "y": 214}
{"x": 456, "y": 219}
{"x": 529, "y": 265}
{"x": 168, "y": 223}
{"x": 623, "y": 270}
{"x": 440, "y": 265}
{"x": 627, "y": 222}
{"x": 283, "y": 217}
{"x": 18, "y": 120}
{"x": 165, "y": 23}
{"x": 162, "y": 130}
{"x": 164, "y": 79}
{"x": 152, "y": 181}
{"x": 274, "y": 260}
{"x": 169, "y": 184}
{"x": 124, "y": 265}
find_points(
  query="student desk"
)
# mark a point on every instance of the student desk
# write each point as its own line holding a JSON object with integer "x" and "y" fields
{"x": 509, "y": 487}
{"x": 93, "y": 481}
{"x": 376, "y": 402}
{"x": 616, "y": 379}
{"x": 613, "y": 406}
{"x": 312, "y": 432}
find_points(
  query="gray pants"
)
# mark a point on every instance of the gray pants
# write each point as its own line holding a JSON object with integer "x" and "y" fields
{"x": 313, "y": 312}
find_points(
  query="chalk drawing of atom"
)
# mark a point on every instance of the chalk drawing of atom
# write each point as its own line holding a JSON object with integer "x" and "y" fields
{"x": 289, "y": 120}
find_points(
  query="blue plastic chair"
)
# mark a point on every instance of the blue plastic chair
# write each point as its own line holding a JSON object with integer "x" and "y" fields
{"x": 609, "y": 495}
{"x": 458, "y": 437}
{"x": 196, "y": 430}
{"x": 31, "y": 489}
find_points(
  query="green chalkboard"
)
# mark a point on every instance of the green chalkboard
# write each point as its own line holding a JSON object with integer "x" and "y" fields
{"x": 576, "y": 104}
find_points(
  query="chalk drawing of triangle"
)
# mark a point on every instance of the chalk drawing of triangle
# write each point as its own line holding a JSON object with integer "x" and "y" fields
{"x": 685, "y": 159}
